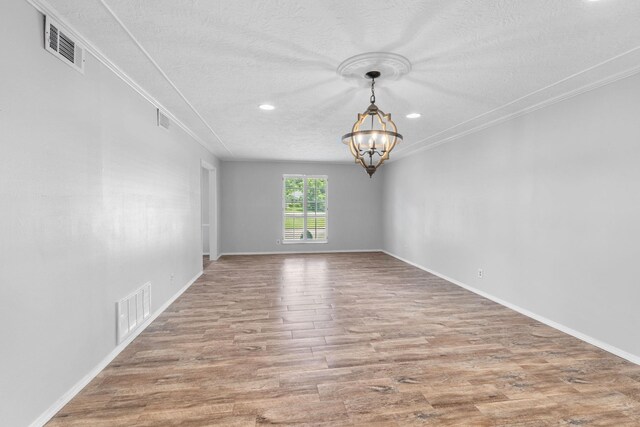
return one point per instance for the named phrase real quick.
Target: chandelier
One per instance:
(371, 147)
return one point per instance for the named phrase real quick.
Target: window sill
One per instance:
(303, 242)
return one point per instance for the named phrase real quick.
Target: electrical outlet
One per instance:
(171, 279)
(480, 273)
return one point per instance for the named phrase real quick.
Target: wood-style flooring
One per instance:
(351, 339)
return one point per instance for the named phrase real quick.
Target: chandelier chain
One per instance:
(373, 93)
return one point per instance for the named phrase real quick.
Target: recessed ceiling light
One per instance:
(413, 115)
(267, 107)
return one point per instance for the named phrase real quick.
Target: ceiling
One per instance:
(211, 63)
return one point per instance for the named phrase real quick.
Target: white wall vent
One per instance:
(66, 48)
(163, 120)
(132, 310)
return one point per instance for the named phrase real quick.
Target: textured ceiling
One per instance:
(211, 63)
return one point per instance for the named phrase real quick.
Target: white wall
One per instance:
(548, 204)
(95, 200)
(252, 207)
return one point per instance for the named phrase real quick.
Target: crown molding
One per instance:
(416, 147)
(311, 162)
(162, 72)
(45, 8)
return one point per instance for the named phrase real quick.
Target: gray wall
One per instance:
(95, 200)
(252, 207)
(548, 204)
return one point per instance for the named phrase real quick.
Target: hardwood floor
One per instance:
(351, 339)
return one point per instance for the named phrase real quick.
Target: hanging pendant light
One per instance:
(371, 147)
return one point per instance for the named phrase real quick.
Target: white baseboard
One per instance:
(71, 393)
(300, 252)
(581, 336)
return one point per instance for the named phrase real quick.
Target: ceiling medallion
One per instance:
(371, 147)
(391, 65)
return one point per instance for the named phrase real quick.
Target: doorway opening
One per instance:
(209, 226)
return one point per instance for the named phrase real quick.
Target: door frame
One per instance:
(213, 210)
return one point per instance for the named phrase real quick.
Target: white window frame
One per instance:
(304, 210)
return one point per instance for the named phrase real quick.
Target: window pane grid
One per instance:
(305, 208)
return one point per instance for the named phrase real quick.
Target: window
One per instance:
(304, 208)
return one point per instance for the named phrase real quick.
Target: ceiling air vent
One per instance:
(58, 41)
(163, 120)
